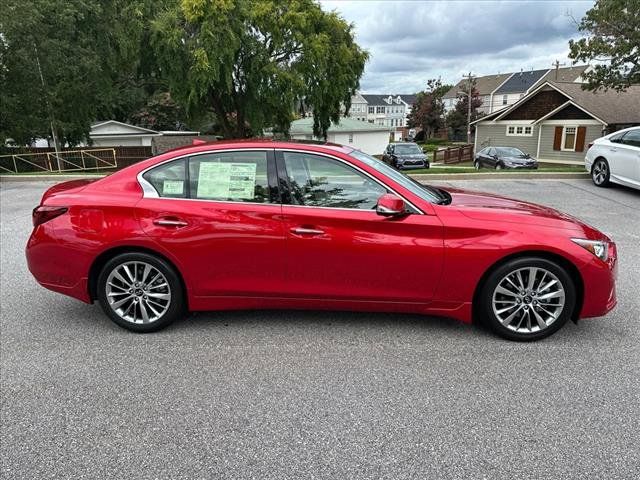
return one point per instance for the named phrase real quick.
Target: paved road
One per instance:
(319, 395)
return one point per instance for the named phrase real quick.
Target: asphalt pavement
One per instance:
(287, 394)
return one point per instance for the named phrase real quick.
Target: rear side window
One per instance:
(632, 138)
(169, 179)
(230, 176)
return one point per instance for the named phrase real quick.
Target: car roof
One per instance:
(248, 143)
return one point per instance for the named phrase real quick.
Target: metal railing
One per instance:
(68, 161)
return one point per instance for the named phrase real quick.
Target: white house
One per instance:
(111, 133)
(369, 138)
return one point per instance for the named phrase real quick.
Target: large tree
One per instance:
(252, 61)
(457, 118)
(428, 109)
(613, 37)
(67, 63)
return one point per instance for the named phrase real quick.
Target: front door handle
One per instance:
(306, 231)
(170, 222)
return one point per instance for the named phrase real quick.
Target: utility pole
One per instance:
(44, 90)
(469, 78)
(557, 65)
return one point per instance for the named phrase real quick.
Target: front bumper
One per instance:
(412, 165)
(599, 280)
(533, 166)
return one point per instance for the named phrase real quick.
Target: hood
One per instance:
(489, 207)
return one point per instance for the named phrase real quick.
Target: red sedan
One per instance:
(260, 224)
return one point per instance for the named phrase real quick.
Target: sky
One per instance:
(410, 42)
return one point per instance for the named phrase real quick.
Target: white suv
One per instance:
(615, 158)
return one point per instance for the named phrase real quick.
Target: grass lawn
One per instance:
(467, 167)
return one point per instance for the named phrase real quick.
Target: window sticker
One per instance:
(227, 180)
(172, 187)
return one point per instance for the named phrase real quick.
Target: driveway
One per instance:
(285, 394)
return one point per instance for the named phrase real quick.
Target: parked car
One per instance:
(259, 224)
(504, 157)
(405, 155)
(615, 158)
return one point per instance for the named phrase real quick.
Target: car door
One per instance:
(339, 248)
(624, 158)
(219, 215)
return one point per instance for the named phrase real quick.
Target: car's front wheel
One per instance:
(600, 173)
(527, 299)
(140, 292)
(476, 165)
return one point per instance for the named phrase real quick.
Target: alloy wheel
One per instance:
(138, 292)
(528, 300)
(600, 171)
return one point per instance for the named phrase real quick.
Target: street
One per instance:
(289, 394)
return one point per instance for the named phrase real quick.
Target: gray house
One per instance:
(557, 120)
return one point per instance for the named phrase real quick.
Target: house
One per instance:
(390, 110)
(485, 85)
(111, 133)
(500, 91)
(557, 120)
(370, 138)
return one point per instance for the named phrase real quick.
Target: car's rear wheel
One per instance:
(140, 292)
(476, 165)
(527, 299)
(600, 173)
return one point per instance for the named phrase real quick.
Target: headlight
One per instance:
(599, 248)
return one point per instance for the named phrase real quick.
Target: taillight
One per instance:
(44, 213)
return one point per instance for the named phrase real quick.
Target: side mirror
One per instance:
(390, 205)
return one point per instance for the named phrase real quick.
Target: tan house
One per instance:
(558, 120)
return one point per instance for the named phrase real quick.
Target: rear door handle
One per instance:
(170, 222)
(306, 231)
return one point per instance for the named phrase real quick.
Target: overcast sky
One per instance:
(412, 41)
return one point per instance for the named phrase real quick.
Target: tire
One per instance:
(499, 166)
(476, 165)
(133, 304)
(601, 173)
(427, 165)
(529, 321)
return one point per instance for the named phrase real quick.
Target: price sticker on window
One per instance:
(172, 187)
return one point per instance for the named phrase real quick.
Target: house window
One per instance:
(379, 109)
(519, 130)
(569, 139)
(372, 109)
(504, 99)
(351, 138)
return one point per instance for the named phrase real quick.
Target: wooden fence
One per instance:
(449, 155)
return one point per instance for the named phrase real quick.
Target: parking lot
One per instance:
(286, 394)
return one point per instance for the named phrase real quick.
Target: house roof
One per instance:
(305, 126)
(609, 106)
(101, 128)
(378, 99)
(521, 82)
(565, 74)
(409, 99)
(485, 85)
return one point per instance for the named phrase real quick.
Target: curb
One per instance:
(500, 176)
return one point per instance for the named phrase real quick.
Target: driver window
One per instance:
(317, 181)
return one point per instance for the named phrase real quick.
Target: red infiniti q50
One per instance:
(261, 224)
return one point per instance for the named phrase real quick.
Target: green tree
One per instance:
(456, 119)
(613, 29)
(160, 112)
(428, 109)
(251, 62)
(68, 63)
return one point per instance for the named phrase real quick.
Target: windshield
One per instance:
(429, 194)
(407, 149)
(509, 152)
